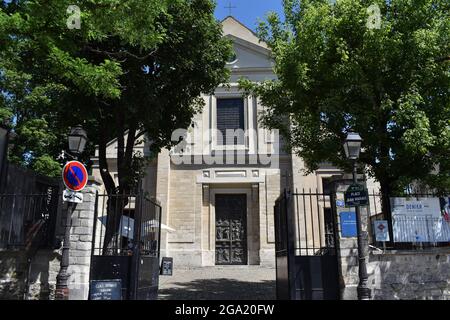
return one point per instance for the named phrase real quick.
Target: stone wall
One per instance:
(12, 274)
(410, 275)
(393, 275)
(42, 281)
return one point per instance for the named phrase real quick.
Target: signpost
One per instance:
(75, 178)
(356, 195)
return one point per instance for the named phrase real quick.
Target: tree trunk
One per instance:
(118, 196)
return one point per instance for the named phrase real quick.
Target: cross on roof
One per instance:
(229, 8)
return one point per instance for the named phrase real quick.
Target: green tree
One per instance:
(134, 69)
(339, 71)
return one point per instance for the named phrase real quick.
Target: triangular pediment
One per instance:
(251, 53)
(231, 26)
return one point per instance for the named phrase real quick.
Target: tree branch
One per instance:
(120, 54)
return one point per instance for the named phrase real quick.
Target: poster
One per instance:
(421, 219)
(381, 229)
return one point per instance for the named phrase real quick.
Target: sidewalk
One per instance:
(219, 283)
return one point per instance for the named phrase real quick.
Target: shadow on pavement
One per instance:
(219, 289)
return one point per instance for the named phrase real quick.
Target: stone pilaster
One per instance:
(81, 233)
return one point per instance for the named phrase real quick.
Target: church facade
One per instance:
(218, 197)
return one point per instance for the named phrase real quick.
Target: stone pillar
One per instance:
(163, 195)
(81, 233)
(348, 247)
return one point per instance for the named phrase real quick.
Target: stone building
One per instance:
(209, 188)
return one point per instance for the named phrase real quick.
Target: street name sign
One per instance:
(356, 195)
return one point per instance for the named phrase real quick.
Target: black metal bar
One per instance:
(319, 222)
(306, 226)
(335, 236)
(94, 232)
(324, 222)
(298, 222)
(159, 232)
(11, 221)
(101, 240)
(312, 221)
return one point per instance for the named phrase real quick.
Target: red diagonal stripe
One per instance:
(78, 180)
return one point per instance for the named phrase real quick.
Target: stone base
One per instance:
(349, 293)
(207, 258)
(267, 258)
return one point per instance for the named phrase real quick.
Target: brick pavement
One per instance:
(219, 283)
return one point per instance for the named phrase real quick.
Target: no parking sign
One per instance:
(75, 176)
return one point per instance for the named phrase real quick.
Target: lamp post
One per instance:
(352, 147)
(77, 139)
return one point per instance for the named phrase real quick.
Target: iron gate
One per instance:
(126, 246)
(306, 246)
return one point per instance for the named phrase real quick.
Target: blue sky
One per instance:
(248, 11)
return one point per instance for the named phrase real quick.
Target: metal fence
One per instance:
(421, 229)
(306, 246)
(117, 218)
(126, 243)
(314, 223)
(24, 217)
(408, 232)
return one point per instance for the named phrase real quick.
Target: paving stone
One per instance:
(219, 283)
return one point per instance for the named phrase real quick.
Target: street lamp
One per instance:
(77, 139)
(352, 147)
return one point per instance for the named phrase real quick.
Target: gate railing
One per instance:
(126, 242)
(314, 223)
(306, 246)
(23, 217)
(116, 219)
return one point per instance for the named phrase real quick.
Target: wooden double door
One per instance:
(231, 229)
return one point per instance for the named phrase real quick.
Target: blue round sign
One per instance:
(75, 175)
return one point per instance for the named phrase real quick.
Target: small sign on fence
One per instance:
(381, 230)
(167, 266)
(106, 290)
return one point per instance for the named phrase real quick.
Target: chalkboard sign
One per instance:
(166, 266)
(105, 290)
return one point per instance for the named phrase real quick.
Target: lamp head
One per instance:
(77, 140)
(352, 145)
